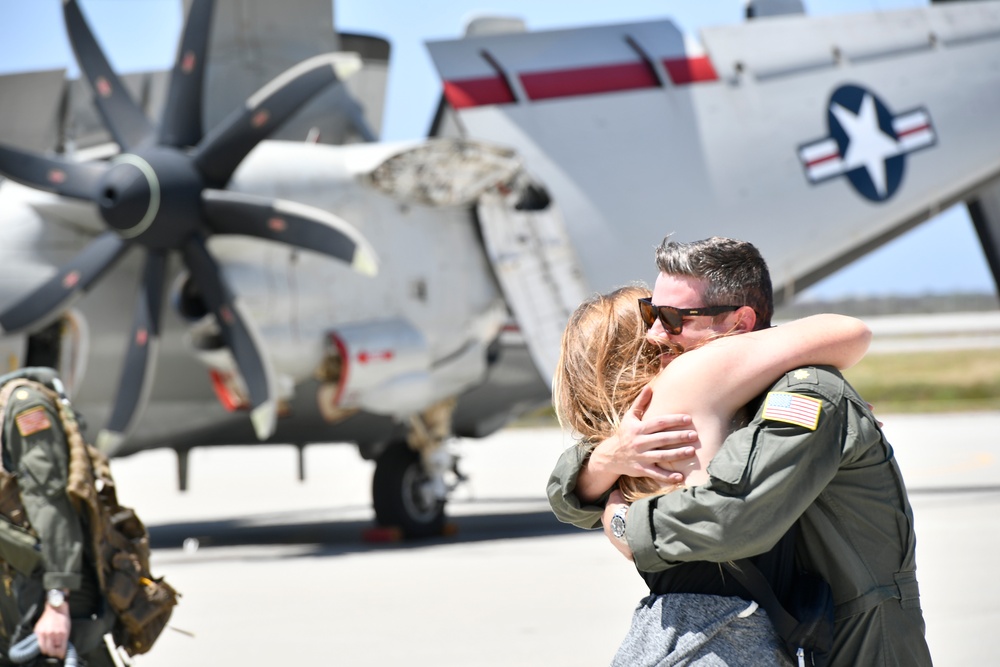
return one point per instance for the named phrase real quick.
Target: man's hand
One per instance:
(615, 501)
(52, 630)
(646, 447)
(641, 448)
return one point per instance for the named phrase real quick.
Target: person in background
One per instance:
(46, 555)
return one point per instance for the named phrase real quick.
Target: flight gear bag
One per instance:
(142, 604)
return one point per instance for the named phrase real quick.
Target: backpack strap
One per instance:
(751, 578)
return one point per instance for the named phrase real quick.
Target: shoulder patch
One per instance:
(32, 421)
(781, 406)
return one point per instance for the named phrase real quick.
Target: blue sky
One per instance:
(142, 34)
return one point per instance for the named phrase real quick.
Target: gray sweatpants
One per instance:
(689, 630)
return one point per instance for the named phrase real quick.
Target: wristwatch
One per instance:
(618, 522)
(55, 597)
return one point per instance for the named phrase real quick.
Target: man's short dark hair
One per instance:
(735, 271)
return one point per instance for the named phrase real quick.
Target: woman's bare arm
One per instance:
(728, 372)
(714, 381)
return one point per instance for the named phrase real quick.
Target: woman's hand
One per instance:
(615, 502)
(648, 447)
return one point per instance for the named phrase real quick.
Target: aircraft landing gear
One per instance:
(403, 496)
(413, 477)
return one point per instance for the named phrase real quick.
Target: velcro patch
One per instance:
(781, 406)
(32, 421)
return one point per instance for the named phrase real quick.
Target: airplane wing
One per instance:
(816, 138)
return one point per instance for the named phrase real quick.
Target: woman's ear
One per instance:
(746, 319)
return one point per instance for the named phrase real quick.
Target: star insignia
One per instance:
(867, 143)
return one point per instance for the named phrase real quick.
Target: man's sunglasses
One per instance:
(673, 318)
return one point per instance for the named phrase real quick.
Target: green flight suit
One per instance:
(839, 480)
(36, 451)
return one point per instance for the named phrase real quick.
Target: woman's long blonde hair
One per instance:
(604, 363)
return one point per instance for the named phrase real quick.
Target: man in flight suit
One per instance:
(812, 452)
(62, 583)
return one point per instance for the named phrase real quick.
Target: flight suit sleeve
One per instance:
(40, 459)
(562, 491)
(761, 481)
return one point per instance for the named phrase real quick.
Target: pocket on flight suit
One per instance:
(47, 479)
(730, 467)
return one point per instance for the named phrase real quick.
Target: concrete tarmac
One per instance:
(275, 571)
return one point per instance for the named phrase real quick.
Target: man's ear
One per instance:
(746, 319)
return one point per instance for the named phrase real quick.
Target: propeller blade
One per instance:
(222, 150)
(237, 334)
(181, 124)
(140, 360)
(72, 280)
(78, 180)
(289, 222)
(123, 117)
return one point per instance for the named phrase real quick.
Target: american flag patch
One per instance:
(795, 409)
(32, 421)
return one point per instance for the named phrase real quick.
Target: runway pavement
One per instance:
(274, 571)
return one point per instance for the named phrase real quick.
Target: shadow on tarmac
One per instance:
(333, 537)
(336, 538)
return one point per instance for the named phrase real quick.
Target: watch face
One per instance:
(55, 597)
(618, 526)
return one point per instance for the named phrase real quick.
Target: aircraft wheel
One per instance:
(402, 496)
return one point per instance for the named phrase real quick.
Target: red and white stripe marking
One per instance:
(533, 66)
(822, 159)
(913, 130)
(611, 78)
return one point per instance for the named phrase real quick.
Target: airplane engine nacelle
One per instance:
(381, 367)
(387, 367)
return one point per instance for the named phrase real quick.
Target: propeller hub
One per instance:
(129, 196)
(152, 198)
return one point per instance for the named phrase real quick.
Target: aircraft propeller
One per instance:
(165, 192)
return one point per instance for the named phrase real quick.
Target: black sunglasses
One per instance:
(673, 318)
